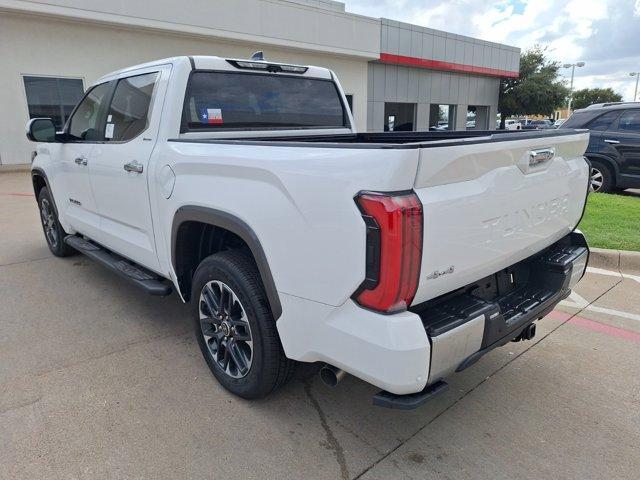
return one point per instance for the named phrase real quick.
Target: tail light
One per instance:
(393, 250)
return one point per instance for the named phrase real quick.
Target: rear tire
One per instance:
(53, 232)
(602, 178)
(230, 309)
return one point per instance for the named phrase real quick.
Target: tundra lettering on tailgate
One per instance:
(525, 218)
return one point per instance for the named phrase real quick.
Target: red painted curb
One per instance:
(596, 326)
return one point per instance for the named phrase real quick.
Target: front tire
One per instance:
(234, 326)
(53, 232)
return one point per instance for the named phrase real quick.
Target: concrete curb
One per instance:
(20, 167)
(621, 260)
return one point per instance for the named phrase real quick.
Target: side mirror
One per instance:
(41, 130)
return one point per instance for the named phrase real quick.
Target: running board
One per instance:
(140, 276)
(411, 400)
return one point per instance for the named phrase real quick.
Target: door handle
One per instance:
(133, 167)
(81, 160)
(611, 141)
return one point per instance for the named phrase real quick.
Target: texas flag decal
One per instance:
(212, 116)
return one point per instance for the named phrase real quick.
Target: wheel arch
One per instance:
(190, 214)
(611, 163)
(39, 180)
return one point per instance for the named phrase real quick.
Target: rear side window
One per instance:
(129, 110)
(229, 100)
(603, 122)
(629, 122)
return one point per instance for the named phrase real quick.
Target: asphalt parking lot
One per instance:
(98, 380)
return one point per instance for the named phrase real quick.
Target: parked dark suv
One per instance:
(614, 147)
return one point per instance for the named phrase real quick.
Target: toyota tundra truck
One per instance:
(398, 257)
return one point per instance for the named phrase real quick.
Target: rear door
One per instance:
(75, 155)
(489, 205)
(120, 165)
(624, 137)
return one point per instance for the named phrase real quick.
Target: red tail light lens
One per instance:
(394, 250)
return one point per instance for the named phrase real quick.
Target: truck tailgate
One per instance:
(488, 204)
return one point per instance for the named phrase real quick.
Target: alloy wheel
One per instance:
(596, 179)
(226, 330)
(49, 222)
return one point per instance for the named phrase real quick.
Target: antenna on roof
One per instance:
(258, 56)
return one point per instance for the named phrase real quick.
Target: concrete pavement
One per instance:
(98, 380)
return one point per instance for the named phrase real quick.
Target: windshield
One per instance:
(230, 100)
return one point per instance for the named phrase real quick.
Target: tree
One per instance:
(537, 91)
(588, 96)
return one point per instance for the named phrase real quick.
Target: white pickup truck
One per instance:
(397, 257)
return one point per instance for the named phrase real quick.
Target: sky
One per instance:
(605, 34)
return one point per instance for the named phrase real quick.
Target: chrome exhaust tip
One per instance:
(331, 375)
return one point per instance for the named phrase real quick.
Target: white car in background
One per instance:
(512, 125)
(558, 123)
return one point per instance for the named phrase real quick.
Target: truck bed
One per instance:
(488, 203)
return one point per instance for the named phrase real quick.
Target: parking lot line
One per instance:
(611, 273)
(576, 301)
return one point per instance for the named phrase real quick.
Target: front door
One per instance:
(120, 166)
(75, 197)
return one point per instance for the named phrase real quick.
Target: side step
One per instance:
(410, 401)
(140, 276)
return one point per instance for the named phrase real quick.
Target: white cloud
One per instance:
(603, 33)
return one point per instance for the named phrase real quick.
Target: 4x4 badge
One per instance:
(439, 273)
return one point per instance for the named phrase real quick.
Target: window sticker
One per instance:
(211, 116)
(108, 131)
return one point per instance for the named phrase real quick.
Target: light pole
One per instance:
(637, 75)
(572, 66)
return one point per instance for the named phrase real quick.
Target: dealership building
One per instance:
(397, 76)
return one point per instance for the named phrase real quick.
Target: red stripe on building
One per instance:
(446, 66)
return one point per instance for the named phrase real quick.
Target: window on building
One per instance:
(54, 98)
(399, 117)
(442, 117)
(129, 109)
(477, 117)
(85, 122)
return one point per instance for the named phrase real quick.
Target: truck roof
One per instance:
(211, 62)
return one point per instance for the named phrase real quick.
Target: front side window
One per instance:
(54, 98)
(629, 122)
(229, 100)
(83, 125)
(129, 110)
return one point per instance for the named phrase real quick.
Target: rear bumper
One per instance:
(411, 352)
(465, 325)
